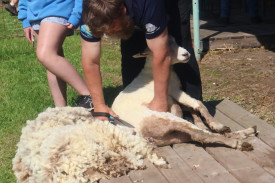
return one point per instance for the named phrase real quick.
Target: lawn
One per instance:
(24, 91)
(9, 25)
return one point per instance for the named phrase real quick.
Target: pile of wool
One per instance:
(67, 144)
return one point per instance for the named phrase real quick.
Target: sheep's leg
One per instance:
(242, 134)
(198, 106)
(197, 121)
(176, 110)
(166, 131)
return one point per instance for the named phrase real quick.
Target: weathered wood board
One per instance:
(194, 163)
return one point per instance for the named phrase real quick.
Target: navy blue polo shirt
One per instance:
(149, 15)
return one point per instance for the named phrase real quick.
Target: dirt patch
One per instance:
(246, 77)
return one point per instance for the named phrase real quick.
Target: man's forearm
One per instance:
(161, 74)
(161, 71)
(94, 83)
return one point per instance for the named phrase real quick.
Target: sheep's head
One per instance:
(178, 54)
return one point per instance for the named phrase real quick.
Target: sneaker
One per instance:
(85, 101)
(11, 9)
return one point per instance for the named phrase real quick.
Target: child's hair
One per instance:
(98, 15)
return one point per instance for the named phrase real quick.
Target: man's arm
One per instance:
(161, 71)
(91, 66)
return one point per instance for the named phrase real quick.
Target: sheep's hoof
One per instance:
(245, 146)
(255, 130)
(224, 129)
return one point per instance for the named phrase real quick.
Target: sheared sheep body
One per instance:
(166, 128)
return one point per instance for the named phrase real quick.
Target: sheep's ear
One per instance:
(142, 54)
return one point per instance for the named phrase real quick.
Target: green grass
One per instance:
(24, 91)
(9, 25)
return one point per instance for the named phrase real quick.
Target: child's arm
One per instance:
(28, 34)
(76, 14)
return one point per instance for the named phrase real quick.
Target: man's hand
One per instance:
(91, 67)
(158, 105)
(104, 108)
(28, 34)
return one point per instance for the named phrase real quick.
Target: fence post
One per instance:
(196, 29)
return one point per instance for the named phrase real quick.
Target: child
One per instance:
(50, 22)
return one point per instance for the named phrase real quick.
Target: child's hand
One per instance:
(70, 26)
(28, 34)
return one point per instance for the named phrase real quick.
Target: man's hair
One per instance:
(99, 15)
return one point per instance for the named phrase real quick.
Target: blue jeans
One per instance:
(252, 6)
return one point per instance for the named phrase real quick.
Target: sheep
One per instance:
(68, 145)
(165, 128)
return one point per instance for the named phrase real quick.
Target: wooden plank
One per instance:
(209, 170)
(246, 119)
(123, 179)
(179, 172)
(262, 154)
(150, 175)
(239, 165)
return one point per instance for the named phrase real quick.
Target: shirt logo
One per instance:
(150, 28)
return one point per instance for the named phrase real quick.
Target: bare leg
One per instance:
(57, 86)
(49, 44)
(58, 89)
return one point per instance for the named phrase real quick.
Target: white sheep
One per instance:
(165, 128)
(68, 145)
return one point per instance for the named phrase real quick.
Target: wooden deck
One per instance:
(192, 163)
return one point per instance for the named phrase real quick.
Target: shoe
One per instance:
(85, 101)
(223, 21)
(11, 9)
(256, 20)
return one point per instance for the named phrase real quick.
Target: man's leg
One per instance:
(225, 8)
(130, 67)
(253, 11)
(179, 27)
(252, 6)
